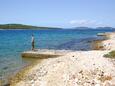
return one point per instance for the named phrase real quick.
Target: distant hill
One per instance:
(85, 28)
(22, 26)
(105, 28)
(82, 28)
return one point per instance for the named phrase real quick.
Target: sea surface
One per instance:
(14, 42)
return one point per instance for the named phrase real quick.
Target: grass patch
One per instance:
(110, 54)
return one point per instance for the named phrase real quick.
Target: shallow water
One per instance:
(13, 42)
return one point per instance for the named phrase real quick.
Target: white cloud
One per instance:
(89, 23)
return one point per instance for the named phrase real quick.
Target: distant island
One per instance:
(22, 26)
(86, 28)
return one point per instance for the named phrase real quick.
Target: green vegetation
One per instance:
(21, 26)
(110, 54)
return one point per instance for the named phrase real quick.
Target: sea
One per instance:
(14, 42)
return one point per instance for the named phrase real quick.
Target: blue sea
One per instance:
(14, 42)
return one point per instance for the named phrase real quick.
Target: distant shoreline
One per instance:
(22, 26)
(28, 29)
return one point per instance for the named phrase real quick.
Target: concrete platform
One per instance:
(102, 34)
(44, 53)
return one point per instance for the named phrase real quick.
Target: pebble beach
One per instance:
(75, 68)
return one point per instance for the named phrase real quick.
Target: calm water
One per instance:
(13, 42)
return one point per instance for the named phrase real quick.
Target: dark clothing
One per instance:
(33, 45)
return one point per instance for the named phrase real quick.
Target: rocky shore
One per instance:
(78, 68)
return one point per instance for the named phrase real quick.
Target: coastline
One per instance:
(98, 44)
(23, 73)
(62, 70)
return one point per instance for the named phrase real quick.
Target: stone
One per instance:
(107, 83)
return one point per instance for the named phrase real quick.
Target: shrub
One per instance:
(110, 54)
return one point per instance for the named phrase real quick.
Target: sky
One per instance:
(58, 13)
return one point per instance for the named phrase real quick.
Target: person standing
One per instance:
(33, 42)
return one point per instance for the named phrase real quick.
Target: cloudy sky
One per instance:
(58, 13)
